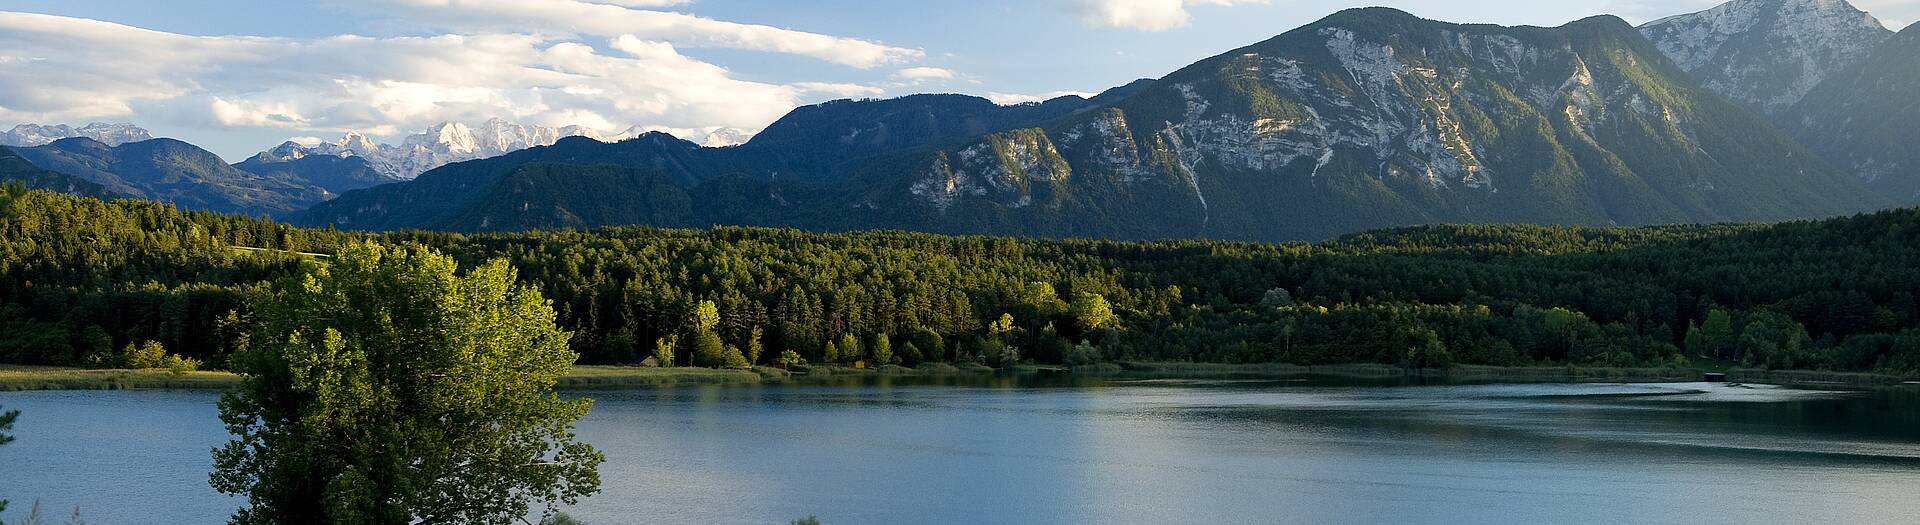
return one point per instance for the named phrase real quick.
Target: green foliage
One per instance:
(999, 355)
(791, 358)
(708, 351)
(1040, 300)
(384, 387)
(1001, 326)
(849, 348)
(179, 365)
(705, 317)
(1277, 297)
(754, 348)
(931, 345)
(883, 350)
(910, 354)
(1082, 354)
(1495, 295)
(1714, 337)
(663, 349)
(148, 355)
(1091, 313)
(1424, 349)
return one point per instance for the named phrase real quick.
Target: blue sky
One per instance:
(238, 76)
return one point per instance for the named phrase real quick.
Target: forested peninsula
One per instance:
(89, 282)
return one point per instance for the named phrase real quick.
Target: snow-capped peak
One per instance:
(1768, 53)
(286, 151)
(445, 143)
(718, 137)
(724, 137)
(29, 135)
(355, 143)
(448, 137)
(449, 142)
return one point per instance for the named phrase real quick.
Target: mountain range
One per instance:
(450, 142)
(30, 135)
(1756, 110)
(1368, 118)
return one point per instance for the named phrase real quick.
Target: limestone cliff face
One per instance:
(1374, 118)
(1768, 54)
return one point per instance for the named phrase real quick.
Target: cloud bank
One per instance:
(564, 65)
(1144, 15)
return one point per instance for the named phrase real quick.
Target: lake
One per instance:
(1010, 450)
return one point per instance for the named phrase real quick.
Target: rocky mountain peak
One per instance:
(444, 143)
(286, 151)
(1767, 54)
(724, 137)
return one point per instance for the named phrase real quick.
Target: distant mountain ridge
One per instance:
(17, 170)
(450, 142)
(172, 171)
(1365, 119)
(30, 135)
(333, 173)
(809, 146)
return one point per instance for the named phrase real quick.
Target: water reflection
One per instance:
(1026, 449)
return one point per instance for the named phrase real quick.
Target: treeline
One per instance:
(81, 277)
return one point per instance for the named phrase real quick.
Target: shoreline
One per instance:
(613, 377)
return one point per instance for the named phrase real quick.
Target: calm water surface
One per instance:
(1109, 451)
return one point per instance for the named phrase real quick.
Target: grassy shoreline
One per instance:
(597, 377)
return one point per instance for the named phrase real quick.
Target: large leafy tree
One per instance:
(383, 388)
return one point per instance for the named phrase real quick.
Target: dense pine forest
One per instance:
(83, 280)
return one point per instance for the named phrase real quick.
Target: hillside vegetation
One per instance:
(80, 278)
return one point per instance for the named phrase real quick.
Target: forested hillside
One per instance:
(80, 277)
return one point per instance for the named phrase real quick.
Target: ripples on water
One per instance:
(1102, 451)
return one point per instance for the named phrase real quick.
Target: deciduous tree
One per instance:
(383, 387)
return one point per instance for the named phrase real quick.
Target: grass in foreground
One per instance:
(23, 377)
(594, 377)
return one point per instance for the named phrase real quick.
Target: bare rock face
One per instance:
(1767, 54)
(1375, 118)
(1863, 118)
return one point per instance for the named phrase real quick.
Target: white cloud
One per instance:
(922, 74)
(60, 69)
(1145, 15)
(1896, 14)
(840, 89)
(612, 18)
(1009, 99)
(643, 3)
